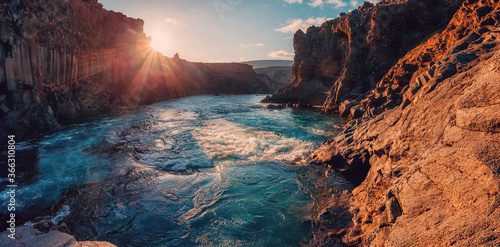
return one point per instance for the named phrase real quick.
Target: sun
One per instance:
(159, 42)
(156, 44)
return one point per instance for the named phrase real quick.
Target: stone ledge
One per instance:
(30, 237)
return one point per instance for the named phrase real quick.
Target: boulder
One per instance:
(26, 236)
(274, 106)
(345, 108)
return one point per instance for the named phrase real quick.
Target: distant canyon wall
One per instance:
(60, 60)
(276, 77)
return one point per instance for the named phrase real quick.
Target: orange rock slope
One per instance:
(427, 170)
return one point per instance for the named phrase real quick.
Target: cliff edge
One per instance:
(346, 57)
(426, 169)
(61, 60)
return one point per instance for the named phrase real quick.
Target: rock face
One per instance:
(27, 237)
(276, 77)
(234, 78)
(348, 56)
(63, 59)
(427, 170)
(436, 59)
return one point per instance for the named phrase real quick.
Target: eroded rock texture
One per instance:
(26, 237)
(276, 77)
(63, 59)
(428, 169)
(348, 56)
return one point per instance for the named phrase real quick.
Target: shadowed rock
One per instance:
(348, 56)
(433, 162)
(78, 59)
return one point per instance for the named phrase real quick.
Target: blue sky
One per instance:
(228, 30)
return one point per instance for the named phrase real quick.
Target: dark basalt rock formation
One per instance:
(233, 78)
(348, 56)
(60, 60)
(427, 169)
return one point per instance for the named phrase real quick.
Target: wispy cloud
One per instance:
(252, 45)
(292, 1)
(337, 3)
(316, 3)
(295, 24)
(172, 20)
(354, 3)
(320, 3)
(280, 54)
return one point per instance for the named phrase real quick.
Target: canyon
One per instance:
(61, 61)
(422, 91)
(419, 80)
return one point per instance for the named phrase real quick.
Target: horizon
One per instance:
(235, 30)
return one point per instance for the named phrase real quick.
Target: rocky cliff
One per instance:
(60, 60)
(276, 76)
(423, 151)
(348, 56)
(233, 78)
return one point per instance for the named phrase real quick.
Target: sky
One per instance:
(228, 30)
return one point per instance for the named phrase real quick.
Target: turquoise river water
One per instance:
(198, 171)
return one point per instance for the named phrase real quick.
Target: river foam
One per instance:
(198, 171)
(222, 140)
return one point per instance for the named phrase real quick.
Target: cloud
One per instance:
(280, 54)
(316, 3)
(256, 45)
(337, 3)
(292, 1)
(321, 3)
(171, 20)
(295, 24)
(354, 3)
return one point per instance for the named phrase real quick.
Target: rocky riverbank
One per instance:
(61, 61)
(423, 145)
(27, 236)
(419, 79)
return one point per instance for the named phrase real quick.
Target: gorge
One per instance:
(422, 90)
(416, 164)
(61, 60)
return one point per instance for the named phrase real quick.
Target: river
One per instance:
(197, 171)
